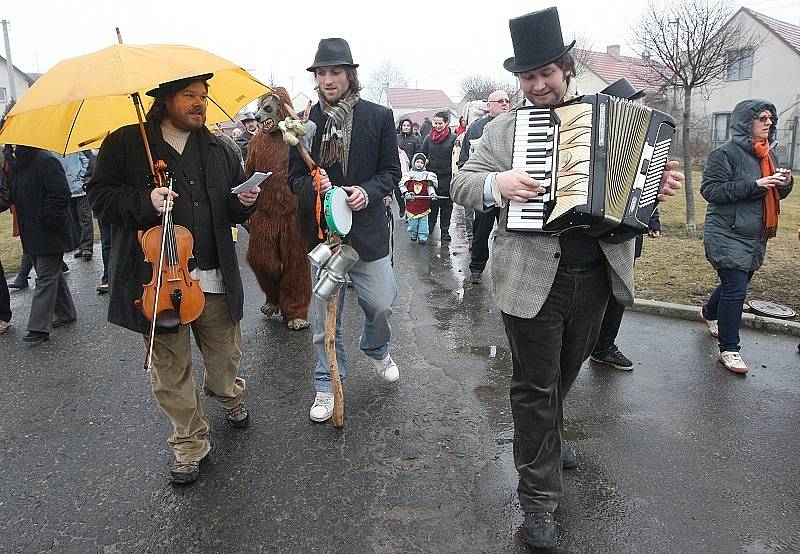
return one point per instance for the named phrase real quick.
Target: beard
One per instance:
(186, 121)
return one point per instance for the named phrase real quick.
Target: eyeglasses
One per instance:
(765, 118)
(501, 101)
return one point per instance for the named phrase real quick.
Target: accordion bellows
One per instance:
(600, 159)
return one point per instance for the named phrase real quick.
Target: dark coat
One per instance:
(733, 232)
(119, 193)
(440, 161)
(42, 197)
(410, 144)
(373, 164)
(5, 193)
(475, 131)
(425, 128)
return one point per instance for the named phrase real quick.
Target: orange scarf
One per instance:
(772, 205)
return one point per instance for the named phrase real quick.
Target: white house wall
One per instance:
(19, 80)
(588, 81)
(776, 77)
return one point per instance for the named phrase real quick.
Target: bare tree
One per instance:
(386, 75)
(479, 87)
(694, 43)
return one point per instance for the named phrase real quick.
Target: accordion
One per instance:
(600, 159)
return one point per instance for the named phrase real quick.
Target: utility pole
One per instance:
(12, 85)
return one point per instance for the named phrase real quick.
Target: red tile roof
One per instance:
(786, 32)
(417, 117)
(611, 69)
(418, 98)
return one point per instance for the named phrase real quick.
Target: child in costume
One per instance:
(418, 182)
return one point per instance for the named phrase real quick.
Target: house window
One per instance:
(3, 95)
(722, 131)
(740, 65)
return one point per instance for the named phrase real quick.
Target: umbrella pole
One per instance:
(137, 102)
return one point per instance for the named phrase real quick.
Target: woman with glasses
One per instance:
(743, 187)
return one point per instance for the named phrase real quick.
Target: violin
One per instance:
(172, 297)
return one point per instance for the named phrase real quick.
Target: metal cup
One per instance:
(320, 255)
(327, 286)
(342, 261)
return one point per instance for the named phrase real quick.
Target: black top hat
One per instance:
(537, 40)
(165, 89)
(332, 51)
(623, 89)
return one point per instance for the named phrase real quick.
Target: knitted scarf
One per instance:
(772, 205)
(438, 137)
(333, 137)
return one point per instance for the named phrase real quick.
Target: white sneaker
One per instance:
(733, 361)
(322, 409)
(386, 368)
(713, 327)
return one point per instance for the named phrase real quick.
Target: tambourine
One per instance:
(338, 215)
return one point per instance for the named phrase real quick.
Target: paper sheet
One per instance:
(252, 182)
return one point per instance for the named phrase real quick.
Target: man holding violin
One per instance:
(203, 170)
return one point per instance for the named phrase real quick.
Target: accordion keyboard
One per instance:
(535, 142)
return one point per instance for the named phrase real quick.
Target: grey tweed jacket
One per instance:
(524, 265)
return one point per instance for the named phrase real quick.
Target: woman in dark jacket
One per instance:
(406, 140)
(438, 147)
(42, 197)
(743, 189)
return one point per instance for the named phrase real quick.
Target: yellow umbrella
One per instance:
(76, 104)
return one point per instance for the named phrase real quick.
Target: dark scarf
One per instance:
(438, 137)
(333, 138)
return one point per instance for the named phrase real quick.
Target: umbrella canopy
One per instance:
(76, 104)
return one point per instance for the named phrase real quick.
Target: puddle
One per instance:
(488, 351)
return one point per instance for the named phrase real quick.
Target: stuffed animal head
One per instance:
(272, 108)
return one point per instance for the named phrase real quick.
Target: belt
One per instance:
(580, 268)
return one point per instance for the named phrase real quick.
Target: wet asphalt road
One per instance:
(676, 456)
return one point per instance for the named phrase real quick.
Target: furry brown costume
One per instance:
(277, 249)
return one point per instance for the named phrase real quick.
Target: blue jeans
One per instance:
(418, 227)
(376, 290)
(725, 306)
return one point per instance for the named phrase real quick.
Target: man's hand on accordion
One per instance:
(671, 181)
(518, 186)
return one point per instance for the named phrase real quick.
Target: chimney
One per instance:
(646, 56)
(613, 50)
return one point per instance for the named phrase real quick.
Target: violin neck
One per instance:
(168, 229)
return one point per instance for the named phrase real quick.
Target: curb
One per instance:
(682, 311)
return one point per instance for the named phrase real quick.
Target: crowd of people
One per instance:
(561, 297)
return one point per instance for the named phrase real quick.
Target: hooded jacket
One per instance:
(732, 234)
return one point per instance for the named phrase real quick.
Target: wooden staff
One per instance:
(330, 350)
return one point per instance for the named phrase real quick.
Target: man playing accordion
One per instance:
(551, 290)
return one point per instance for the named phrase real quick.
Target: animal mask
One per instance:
(267, 114)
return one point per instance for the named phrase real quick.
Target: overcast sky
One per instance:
(435, 42)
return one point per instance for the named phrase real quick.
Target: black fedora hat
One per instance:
(537, 40)
(332, 51)
(623, 89)
(165, 89)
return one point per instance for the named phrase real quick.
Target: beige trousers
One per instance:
(220, 343)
